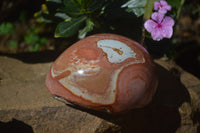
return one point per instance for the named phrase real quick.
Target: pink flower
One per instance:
(162, 6)
(159, 26)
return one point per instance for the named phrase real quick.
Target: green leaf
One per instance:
(89, 27)
(35, 48)
(174, 3)
(82, 33)
(13, 44)
(6, 28)
(148, 9)
(135, 6)
(69, 28)
(40, 18)
(56, 1)
(85, 3)
(43, 40)
(22, 16)
(77, 3)
(31, 38)
(62, 15)
(71, 9)
(96, 5)
(70, 5)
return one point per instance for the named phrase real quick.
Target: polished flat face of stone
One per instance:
(104, 71)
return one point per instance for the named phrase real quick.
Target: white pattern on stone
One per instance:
(116, 51)
(52, 72)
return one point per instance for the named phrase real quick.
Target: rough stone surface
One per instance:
(27, 106)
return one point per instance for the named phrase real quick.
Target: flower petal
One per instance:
(156, 5)
(163, 7)
(163, 2)
(157, 35)
(150, 25)
(168, 7)
(162, 10)
(158, 17)
(167, 32)
(168, 21)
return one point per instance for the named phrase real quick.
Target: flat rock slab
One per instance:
(25, 101)
(22, 85)
(27, 106)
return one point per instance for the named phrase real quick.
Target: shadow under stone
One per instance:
(15, 126)
(160, 116)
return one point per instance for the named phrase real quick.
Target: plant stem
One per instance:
(148, 9)
(147, 14)
(143, 36)
(179, 9)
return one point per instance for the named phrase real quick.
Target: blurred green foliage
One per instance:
(6, 28)
(31, 38)
(13, 44)
(22, 16)
(34, 40)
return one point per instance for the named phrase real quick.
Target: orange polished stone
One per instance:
(104, 71)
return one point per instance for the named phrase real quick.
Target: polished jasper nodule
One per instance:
(104, 71)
